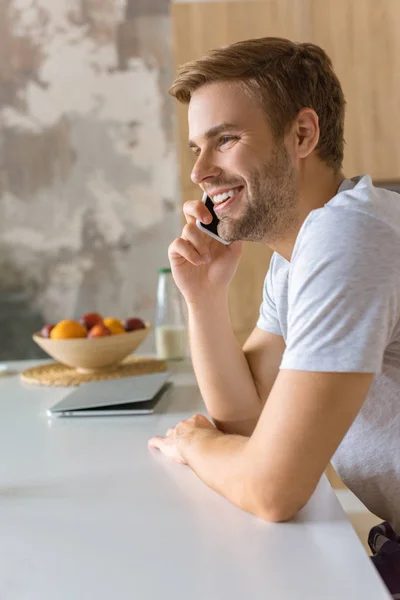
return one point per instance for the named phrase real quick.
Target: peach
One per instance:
(89, 320)
(99, 330)
(46, 330)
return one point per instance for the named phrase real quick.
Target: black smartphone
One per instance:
(211, 229)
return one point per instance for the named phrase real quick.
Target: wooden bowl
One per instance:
(92, 354)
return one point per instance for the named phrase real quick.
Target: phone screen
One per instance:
(213, 226)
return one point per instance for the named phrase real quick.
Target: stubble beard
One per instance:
(271, 207)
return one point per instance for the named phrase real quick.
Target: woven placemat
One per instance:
(57, 374)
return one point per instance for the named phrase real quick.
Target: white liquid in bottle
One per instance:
(171, 342)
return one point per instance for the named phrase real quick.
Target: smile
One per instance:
(219, 198)
(230, 197)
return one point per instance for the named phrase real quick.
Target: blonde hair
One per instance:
(287, 76)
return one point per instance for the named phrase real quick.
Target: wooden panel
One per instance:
(334, 478)
(363, 39)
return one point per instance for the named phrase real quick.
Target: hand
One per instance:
(174, 438)
(201, 266)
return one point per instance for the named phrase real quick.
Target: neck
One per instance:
(316, 189)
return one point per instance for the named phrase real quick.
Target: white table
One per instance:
(89, 512)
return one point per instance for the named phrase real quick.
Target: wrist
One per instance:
(211, 302)
(195, 441)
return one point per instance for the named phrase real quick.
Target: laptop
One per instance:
(137, 395)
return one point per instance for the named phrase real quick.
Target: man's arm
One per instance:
(273, 473)
(234, 382)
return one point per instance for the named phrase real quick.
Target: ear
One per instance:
(306, 130)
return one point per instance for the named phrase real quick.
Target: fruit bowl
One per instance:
(92, 354)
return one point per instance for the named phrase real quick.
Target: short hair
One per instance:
(286, 76)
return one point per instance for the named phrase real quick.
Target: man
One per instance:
(319, 377)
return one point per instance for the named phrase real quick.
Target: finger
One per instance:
(183, 248)
(156, 442)
(198, 420)
(202, 421)
(196, 209)
(165, 449)
(202, 418)
(195, 417)
(199, 240)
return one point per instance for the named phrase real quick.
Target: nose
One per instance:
(204, 168)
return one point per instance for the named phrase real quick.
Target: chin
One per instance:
(226, 235)
(228, 230)
(231, 233)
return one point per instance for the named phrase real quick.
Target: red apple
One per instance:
(89, 320)
(46, 330)
(99, 330)
(133, 324)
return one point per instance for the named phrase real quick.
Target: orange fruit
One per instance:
(68, 329)
(114, 325)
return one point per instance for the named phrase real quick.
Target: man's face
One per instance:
(238, 154)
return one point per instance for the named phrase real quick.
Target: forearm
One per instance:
(219, 461)
(221, 368)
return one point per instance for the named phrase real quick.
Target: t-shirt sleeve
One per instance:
(343, 298)
(268, 317)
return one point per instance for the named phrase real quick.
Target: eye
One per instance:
(225, 139)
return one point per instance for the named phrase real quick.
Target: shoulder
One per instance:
(341, 253)
(342, 231)
(359, 208)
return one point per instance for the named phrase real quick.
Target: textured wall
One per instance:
(87, 163)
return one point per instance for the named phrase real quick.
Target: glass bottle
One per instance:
(170, 325)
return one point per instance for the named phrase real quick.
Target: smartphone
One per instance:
(211, 229)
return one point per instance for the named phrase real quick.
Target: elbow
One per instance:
(276, 513)
(278, 506)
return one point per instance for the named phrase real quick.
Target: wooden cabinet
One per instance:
(363, 39)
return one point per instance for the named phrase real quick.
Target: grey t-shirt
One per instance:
(337, 306)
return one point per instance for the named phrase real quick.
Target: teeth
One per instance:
(222, 197)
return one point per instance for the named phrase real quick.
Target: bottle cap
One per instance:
(164, 270)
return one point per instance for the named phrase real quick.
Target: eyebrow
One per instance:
(214, 131)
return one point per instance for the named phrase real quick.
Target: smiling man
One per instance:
(319, 377)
